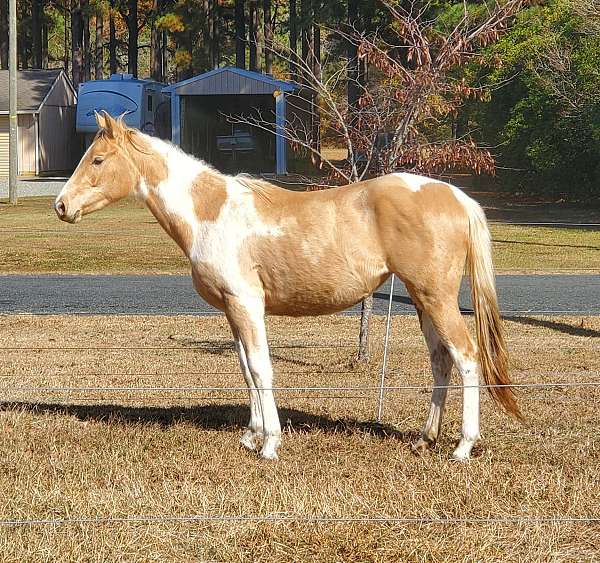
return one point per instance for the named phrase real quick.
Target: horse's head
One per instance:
(105, 174)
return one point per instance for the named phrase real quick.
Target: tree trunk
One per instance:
(87, 46)
(293, 40)
(45, 44)
(112, 40)
(37, 14)
(4, 34)
(352, 71)
(23, 52)
(132, 37)
(165, 65)
(240, 34)
(216, 22)
(66, 15)
(254, 36)
(316, 112)
(363, 336)
(76, 42)
(99, 56)
(306, 34)
(268, 33)
(210, 31)
(156, 46)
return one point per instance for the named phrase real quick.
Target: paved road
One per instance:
(34, 186)
(168, 295)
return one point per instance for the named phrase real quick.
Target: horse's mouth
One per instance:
(72, 219)
(76, 217)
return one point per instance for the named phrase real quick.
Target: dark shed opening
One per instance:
(202, 108)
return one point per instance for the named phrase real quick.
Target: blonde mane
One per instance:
(261, 188)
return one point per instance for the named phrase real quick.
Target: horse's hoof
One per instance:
(269, 455)
(460, 455)
(463, 451)
(421, 447)
(251, 440)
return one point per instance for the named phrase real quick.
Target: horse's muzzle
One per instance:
(62, 213)
(60, 209)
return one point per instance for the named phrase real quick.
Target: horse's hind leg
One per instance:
(453, 332)
(441, 366)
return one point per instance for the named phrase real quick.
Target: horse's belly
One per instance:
(320, 292)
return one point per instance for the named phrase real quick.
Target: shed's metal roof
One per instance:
(230, 80)
(32, 88)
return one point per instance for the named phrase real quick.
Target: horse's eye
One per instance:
(98, 160)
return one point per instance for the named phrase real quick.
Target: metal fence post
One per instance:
(385, 354)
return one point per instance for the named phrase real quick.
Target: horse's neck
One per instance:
(183, 187)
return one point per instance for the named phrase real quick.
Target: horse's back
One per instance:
(336, 246)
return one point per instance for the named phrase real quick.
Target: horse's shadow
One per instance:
(226, 348)
(210, 417)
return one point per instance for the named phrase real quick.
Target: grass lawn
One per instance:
(120, 453)
(125, 238)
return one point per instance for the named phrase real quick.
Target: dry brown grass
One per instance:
(125, 454)
(125, 238)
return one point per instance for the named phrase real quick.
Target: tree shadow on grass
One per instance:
(210, 417)
(556, 325)
(532, 321)
(558, 245)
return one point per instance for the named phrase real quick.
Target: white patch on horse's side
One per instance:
(414, 182)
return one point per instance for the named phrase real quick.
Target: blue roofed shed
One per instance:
(201, 108)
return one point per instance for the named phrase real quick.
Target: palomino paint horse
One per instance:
(257, 249)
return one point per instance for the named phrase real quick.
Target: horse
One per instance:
(256, 249)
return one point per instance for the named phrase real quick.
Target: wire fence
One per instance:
(226, 393)
(358, 388)
(302, 519)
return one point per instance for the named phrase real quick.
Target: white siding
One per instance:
(3, 146)
(25, 145)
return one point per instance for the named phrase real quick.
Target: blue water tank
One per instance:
(142, 103)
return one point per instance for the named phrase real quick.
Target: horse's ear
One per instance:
(117, 126)
(100, 120)
(106, 123)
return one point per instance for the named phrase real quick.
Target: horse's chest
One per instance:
(217, 266)
(209, 283)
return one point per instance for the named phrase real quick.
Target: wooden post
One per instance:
(13, 159)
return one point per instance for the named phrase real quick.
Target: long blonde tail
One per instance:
(493, 356)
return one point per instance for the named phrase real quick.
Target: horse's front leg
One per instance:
(247, 318)
(252, 438)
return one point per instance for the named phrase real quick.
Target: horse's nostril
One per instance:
(59, 206)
